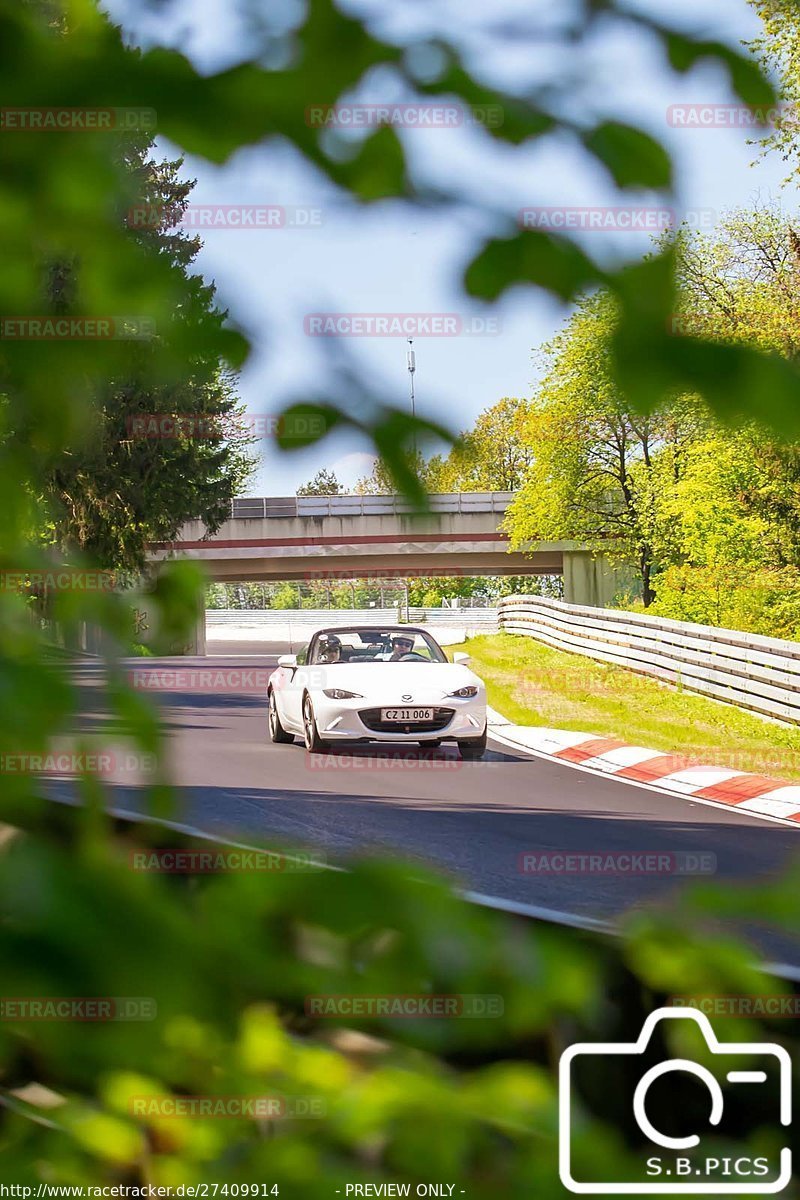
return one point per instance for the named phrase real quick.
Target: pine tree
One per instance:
(131, 481)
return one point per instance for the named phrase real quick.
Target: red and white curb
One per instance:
(756, 795)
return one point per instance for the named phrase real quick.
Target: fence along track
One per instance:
(754, 672)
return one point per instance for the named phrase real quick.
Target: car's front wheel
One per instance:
(314, 743)
(276, 731)
(473, 748)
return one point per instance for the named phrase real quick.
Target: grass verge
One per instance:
(532, 684)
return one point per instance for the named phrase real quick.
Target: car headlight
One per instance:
(341, 694)
(465, 693)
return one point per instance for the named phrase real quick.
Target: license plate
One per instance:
(407, 716)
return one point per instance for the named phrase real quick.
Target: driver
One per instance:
(330, 649)
(402, 644)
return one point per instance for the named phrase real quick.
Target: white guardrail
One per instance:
(219, 618)
(260, 508)
(745, 669)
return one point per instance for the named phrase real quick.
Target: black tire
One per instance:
(276, 731)
(473, 748)
(314, 743)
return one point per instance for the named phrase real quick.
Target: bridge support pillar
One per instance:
(145, 624)
(200, 629)
(592, 581)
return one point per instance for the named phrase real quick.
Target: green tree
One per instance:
(492, 456)
(156, 456)
(777, 49)
(734, 595)
(216, 596)
(382, 479)
(735, 512)
(741, 284)
(240, 595)
(710, 503)
(734, 560)
(324, 483)
(599, 467)
(551, 586)
(286, 596)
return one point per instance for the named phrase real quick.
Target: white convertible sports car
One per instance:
(376, 683)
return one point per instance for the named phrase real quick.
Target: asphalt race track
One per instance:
(472, 821)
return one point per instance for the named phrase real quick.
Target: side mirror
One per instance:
(287, 660)
(458, 657)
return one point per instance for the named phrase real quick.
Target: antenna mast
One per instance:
(412, 366)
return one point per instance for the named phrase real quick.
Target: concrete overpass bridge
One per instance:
(328, 537)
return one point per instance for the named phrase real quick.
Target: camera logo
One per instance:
(667, 1168)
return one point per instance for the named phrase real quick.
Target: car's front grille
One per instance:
(371, 718)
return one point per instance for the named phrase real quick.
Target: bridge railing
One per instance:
(316, 618)
(745, 669)
(265, 507)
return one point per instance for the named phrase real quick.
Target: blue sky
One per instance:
(390, 259)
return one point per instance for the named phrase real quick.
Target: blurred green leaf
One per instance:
(633, 158)
(531, 257)
(747, 79)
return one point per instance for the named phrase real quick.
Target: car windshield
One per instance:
(375, 645)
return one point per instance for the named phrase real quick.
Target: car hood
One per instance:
(389, 682)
